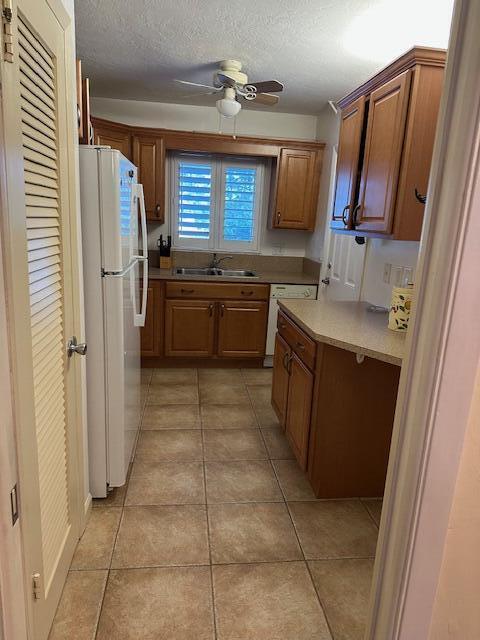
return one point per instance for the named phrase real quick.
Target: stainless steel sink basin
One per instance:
(196, 272)
(230, 273)
(237, 273)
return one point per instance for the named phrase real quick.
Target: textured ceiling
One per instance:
(320, 49)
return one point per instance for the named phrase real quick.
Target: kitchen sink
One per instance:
(230, 273)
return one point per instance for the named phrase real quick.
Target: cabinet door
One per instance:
(189, 328)
(387, 116)
(348, 161)
(299, 407)
(297, 189)
(149, 157)
(151, 335)
(242, 329)
(280, 378)
(115, 138)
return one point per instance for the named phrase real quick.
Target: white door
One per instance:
(43, 306)
(344, 268)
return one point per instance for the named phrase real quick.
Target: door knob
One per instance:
(74, 347)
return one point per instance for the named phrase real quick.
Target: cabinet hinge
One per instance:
(14, 504)
(36, 586)
(7, 15)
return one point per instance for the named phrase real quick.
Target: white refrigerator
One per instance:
(115, 267)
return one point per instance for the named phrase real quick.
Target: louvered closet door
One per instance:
(40, 208)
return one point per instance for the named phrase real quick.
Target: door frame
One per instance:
(443, 352)
(16, 602)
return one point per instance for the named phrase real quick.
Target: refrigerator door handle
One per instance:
(139, 318)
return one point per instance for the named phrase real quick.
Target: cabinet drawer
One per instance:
(300, 343)
(217, 290)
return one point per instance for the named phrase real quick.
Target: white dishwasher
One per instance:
(277, 292)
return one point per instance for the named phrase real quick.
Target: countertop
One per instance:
(348, 325)
(264, 277)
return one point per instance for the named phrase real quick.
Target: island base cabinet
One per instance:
(189, 328)
(280, 378)
(299, 404)
(351, 426)
(242, 329)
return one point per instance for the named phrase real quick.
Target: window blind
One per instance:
(194, 200)
(239, 204)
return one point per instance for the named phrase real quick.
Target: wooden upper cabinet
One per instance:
(189, 328)
(299, 407)
(117, 138)
(385, 147)
(242, 329)
(387, 116)
(298, 174)
(149, 157)
(280, 378)
(352, 121)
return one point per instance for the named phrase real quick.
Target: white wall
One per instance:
(194, 118)
(200, 118)
(378, 253)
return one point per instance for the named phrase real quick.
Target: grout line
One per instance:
(370, 514)
(322, 606)
(212, 591)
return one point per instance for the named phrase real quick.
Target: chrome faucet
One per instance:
(217, 261)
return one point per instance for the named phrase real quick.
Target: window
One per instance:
(217, 202)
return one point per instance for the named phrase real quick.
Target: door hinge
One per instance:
(7, 15)
(36, 586)
(14, 504)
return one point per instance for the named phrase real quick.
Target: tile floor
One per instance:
(218, 534)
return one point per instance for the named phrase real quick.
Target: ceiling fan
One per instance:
(233, 83)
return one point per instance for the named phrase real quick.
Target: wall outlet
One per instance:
(396, 276)
(408, 275)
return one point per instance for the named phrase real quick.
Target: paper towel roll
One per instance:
(400, 306)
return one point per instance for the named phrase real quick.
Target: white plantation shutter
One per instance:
(43, 222)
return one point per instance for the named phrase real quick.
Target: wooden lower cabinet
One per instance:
(151, 335)
(299, 405)
(242, 329)
(337, 412)
(189, 328)
(280, 378)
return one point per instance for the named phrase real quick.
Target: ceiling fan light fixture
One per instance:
(228, 106)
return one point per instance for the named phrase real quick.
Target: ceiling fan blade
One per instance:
(226, 80)
(196, 84)
(269, 86)
(266, 98)
(195, 95)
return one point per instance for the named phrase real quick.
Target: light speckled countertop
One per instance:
(348, 325)
(263, 277)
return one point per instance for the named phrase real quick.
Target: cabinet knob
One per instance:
(187, 290)
(222, 309)
(300, 346)
(210, 310)
(246, 293)
(279, 216)
(158, 208)
(355, 222)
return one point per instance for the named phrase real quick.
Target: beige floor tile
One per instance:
(334, 529)
(180, 445)
(146, 376)
(234, 444)
(344, 589)
(267, 602)
(166, 483)
(374, 507)
(174, 376)
(252, 533)
(241, 481)
(266, 417)
(172, 416)
(219, 393)
(258, 376)
(173, 394)
(115, 498)
(261, 401)
(169, 536)
(293, 480)
(231, 416)
(79, 608)
(173, 603)
(277, 444)
(222, 376)
(95, 547)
